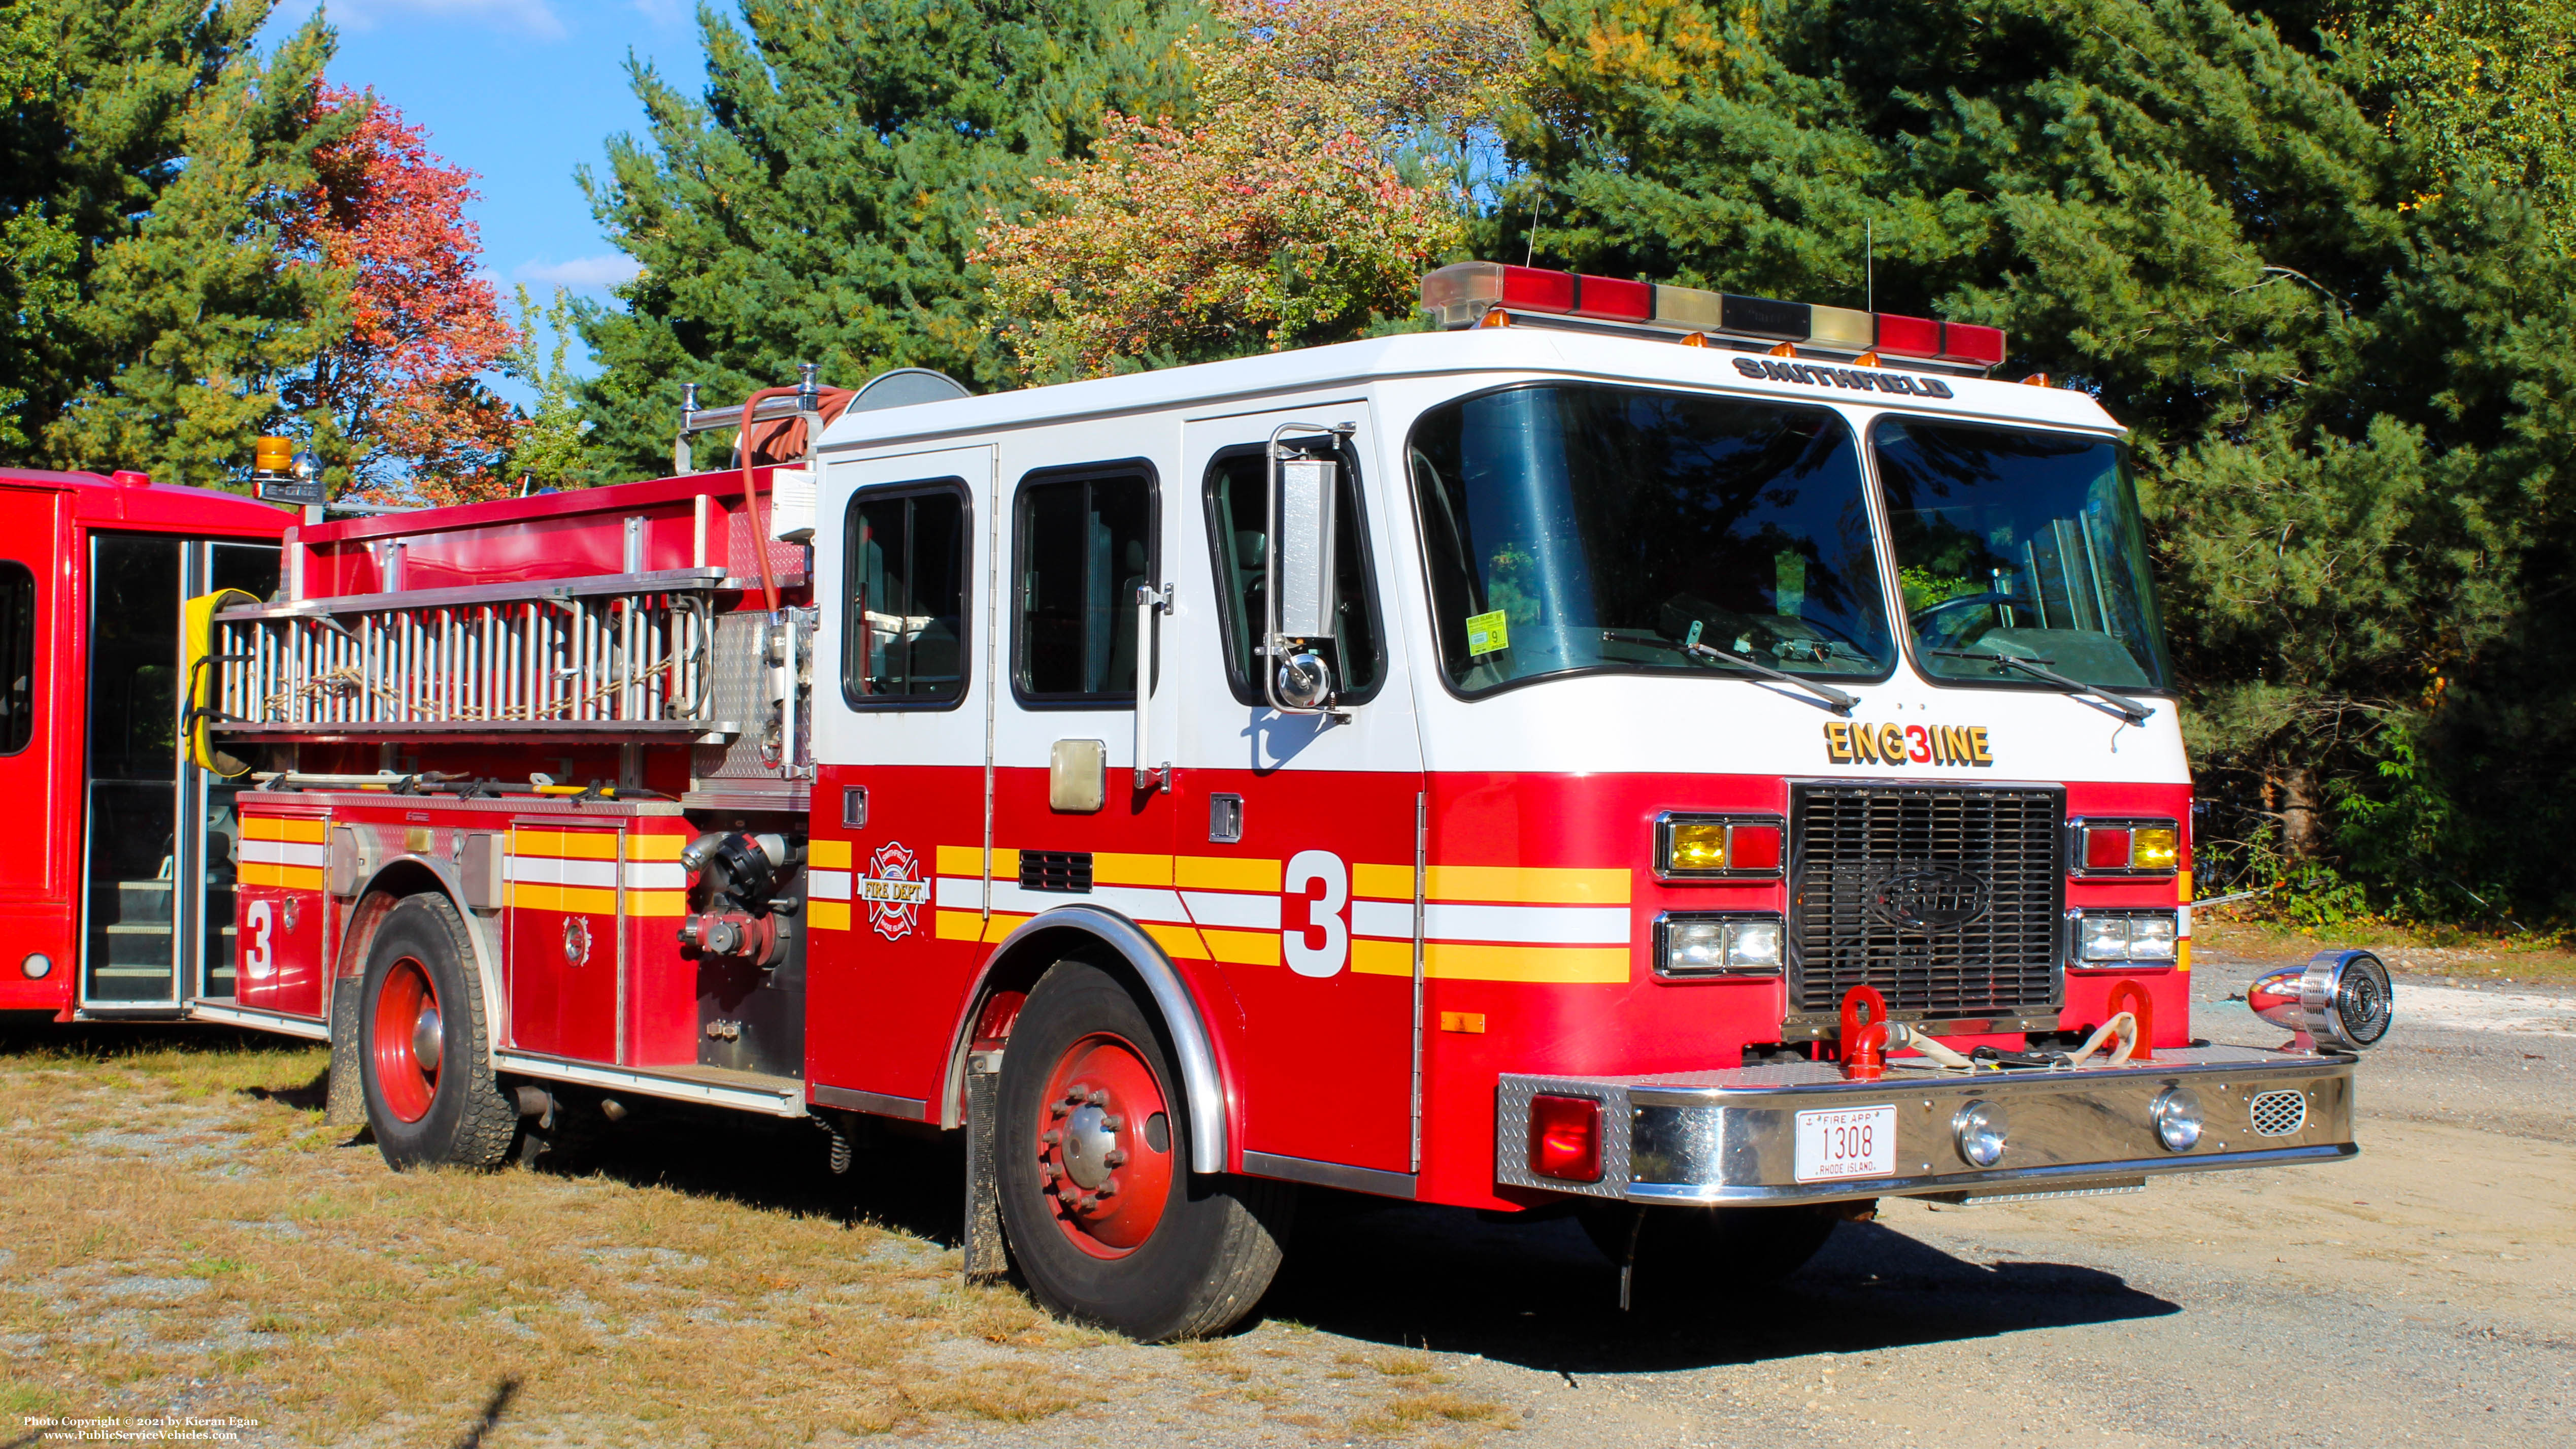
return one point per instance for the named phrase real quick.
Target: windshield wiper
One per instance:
(1841, 702)
(2129, 709)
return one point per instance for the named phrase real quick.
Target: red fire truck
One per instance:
(1696, 761)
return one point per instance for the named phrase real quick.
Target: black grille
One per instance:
(1055, 870)
(1946, 900)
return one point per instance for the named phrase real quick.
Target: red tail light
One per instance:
(1962, 342)
(1909, 336)
(1565, 1138)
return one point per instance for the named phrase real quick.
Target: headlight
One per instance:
(2126, 847)
(2341, 998)
(2178, 1118)
(1978, 1128)
(1714, 944)
(1717, 847)
(2110, 939)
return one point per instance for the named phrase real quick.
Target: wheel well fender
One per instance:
(1040, 942)
(389, 884)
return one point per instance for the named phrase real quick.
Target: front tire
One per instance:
(424, 1044)
(1106, 1222)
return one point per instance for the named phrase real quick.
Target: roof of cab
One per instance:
(1485, 350)
(98, 500)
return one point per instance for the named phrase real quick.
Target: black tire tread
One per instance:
(490, 1121)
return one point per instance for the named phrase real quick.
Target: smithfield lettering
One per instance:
(1861, 379)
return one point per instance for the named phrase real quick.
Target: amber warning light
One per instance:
(1465, 293)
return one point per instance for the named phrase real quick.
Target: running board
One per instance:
(310, 1028)
(712, 1086)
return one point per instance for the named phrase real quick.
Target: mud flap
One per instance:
(988, 1258)
(347, 1103)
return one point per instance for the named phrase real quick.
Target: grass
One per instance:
(2445, 952)
(181, 1234)
(184, 1236)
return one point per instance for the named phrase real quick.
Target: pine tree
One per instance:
(2343, 359)
(818, 204)
(147, 158)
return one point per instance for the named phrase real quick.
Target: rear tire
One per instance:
(424, 1044)
(1692, 1255)
(1089, 1099)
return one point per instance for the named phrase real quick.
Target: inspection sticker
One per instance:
(1488, 633)
(1846, 1142)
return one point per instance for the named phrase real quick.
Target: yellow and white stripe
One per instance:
(1480, 923)
(580, 871)
(281, 851)
(827, 885)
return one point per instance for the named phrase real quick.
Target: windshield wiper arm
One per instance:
(1841, 702)
(2129, 709)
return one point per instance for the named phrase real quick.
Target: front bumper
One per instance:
(1730, 1136)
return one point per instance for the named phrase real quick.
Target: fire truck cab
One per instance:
(118, 897)
(1702, 763)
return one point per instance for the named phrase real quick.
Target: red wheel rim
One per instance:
(409, 1045)
(1104, 1145)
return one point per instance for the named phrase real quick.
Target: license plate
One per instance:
(1846, 1143)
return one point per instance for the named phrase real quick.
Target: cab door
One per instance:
(1299, 833)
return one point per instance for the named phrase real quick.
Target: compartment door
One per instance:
(567, 913)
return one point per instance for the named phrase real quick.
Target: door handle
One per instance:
(1149, 601)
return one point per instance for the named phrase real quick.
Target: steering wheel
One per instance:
(1970, 601)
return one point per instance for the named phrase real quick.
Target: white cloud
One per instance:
(534, 18)
(599, 271)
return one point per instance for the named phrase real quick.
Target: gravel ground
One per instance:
(2416, 1294)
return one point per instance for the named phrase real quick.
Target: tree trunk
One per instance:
(2302, 811)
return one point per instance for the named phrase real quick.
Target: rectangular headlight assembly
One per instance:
(2109, 940)
(2136, 848)
(1717, 847)
(1718, 943)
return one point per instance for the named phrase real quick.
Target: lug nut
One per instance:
(1086, 1203)
(1100, 1096)
(1050, 1137)
(1112, 1122)
(1114, 1157)
(1056, 1109)
(1108, 1185)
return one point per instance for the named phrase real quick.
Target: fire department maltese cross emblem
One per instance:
(894, 891)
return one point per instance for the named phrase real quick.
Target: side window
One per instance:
(905, 638)
(17, 657)
(1238, 511)
(1086, 543)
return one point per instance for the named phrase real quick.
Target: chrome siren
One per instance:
(2340, 998)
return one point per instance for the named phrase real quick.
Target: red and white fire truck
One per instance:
(1699, 761)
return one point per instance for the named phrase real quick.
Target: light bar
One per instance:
(1463, 293)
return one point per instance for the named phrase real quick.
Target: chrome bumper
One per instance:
(1729, 1136)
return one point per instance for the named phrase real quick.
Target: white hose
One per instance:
(1901, 1035)
(2125, 1025)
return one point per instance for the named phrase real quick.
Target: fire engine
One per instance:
(1696, 762)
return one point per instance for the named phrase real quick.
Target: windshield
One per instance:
(1595, 528)
(2020, 543)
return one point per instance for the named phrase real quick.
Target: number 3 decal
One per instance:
(1323, 914)
(256, 959)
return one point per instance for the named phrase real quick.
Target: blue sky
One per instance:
(520, 92)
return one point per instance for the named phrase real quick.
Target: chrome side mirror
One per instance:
(2341, 998)
(1305, 681)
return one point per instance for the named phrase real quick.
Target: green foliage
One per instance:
(2482, 87)
(2349, 388)
(818, 204)
(552, 450)
(148, 314)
